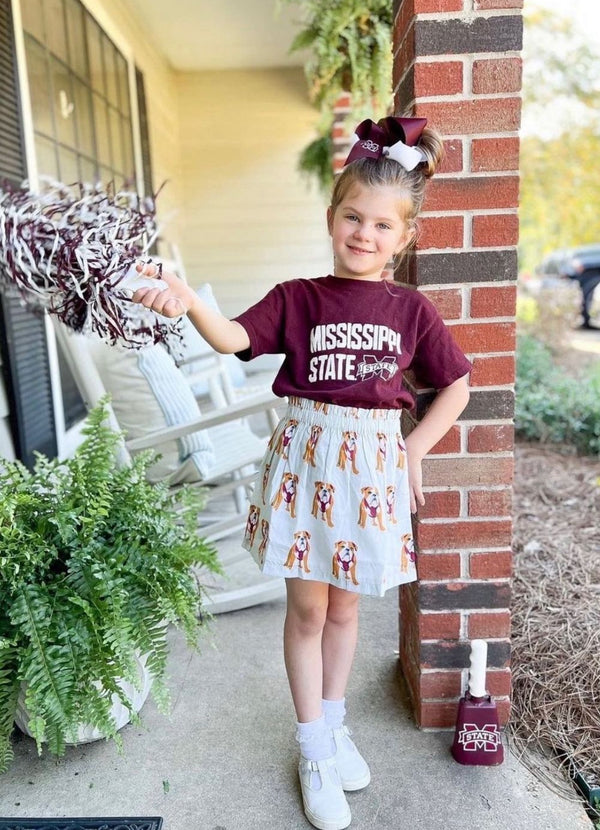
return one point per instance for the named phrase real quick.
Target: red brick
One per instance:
(496, 565)
(441, 232)
(461, 472)
(404, 56)
(343, 102)
(484, 337)
(493, 371)
(492, 624)
(484, 5)
(497, 75)
(439, 626)
(440, 684)
(489, 154)
(440, 504)
(456, 595)
(489, 115)
(450, 443)
(490, 502)
(448, 302)
(494, 301)
(452, 161)
(464, 534)
(442, 714)
(429, 6)
(491, 438)
(437, 715)
(498, 683)
(473, 193)
(438, 78)
(438, 566)
(495, 230)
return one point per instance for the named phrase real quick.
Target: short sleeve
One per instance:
(437, 361)
(264, 324)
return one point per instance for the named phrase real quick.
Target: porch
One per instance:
(226, 760)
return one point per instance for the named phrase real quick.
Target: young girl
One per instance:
(332, 502)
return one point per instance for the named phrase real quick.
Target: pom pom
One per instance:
(68, 249)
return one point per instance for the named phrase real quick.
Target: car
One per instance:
(581, 264)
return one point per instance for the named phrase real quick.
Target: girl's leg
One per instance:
(338, 647)
(302, 637)
(339, 641)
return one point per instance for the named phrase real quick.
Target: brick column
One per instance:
(457, 62)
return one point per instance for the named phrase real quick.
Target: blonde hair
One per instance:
(387, 172)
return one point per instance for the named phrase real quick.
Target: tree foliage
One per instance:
(560, 174)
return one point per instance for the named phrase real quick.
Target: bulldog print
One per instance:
(401, 451)
(299, 551)
(265, 481)
(381, 450)
(264, 540)
(251, 524)
(287, 494)
(408, 552)
(311, 444)
(348, 450)
(390, 503)
(285, 438)
(370, 508)
(322, 505)
(344, 560)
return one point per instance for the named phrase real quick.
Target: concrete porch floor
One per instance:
(226, 759)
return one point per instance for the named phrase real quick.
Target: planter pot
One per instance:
(119, 712)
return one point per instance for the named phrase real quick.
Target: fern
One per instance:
(94, 564)
(350, 43)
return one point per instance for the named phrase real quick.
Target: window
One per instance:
(82, 120)
(79, 95)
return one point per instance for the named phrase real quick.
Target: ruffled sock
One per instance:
(314, 739)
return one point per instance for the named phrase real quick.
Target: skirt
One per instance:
(331, 502)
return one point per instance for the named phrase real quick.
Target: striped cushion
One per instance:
(149, 393)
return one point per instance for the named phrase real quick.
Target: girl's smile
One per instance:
(367, 229)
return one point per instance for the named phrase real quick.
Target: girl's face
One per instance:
(367, 229)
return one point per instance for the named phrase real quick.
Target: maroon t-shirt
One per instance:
(348, 341)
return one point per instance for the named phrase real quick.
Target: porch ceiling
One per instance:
(220, 34)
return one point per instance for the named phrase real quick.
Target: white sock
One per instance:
(334, 712)
(314, 740)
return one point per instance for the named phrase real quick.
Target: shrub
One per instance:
(552, 406)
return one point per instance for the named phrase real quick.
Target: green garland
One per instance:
(351, 45)
(94, 564)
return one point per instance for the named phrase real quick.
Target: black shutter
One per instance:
(144, 133)
(22, 333)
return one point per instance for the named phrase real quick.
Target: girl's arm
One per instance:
(225, 336)
(443, 412)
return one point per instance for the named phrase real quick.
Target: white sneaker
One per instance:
(324, 801)
(353, 769)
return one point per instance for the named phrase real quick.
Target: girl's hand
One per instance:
(415, 478)
(173, 301)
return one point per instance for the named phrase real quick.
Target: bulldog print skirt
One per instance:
(331, 500)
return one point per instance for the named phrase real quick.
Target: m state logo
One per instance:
(473, 737)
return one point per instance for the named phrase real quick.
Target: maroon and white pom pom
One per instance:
(73, 254)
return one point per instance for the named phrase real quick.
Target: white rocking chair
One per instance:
(239, 449)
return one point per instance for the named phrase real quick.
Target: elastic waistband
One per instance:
(346, 417)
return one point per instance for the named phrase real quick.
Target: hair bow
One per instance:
(391, 137)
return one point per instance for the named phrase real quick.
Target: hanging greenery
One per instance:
(351, 52)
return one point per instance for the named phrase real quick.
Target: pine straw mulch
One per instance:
(555, 715)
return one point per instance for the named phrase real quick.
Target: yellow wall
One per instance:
(249, 219)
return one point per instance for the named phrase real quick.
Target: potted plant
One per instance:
(95, 563)
(350, 44)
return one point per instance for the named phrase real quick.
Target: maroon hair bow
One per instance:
(391, 137)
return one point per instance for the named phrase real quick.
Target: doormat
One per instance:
(154, 823)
